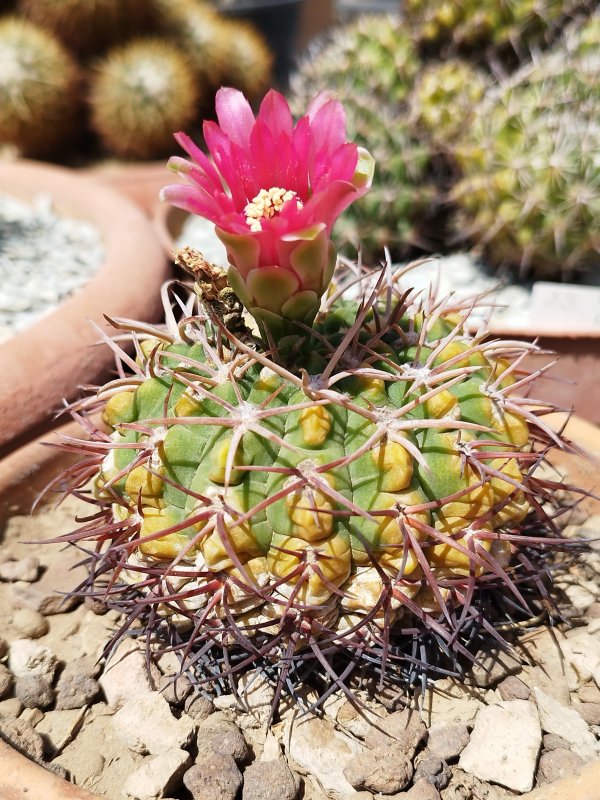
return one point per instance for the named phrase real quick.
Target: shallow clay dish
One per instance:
(52, 358)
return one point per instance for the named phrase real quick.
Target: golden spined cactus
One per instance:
(89, 27)
(139, 94)
(39, 90)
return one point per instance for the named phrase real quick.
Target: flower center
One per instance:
(266, 204)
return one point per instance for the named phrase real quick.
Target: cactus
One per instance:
(197, 29)
(139, 94)
(444, 99)
(349, 489)
(492, 26)
(529, 194)
(250, 62)
(39, 90)
(371, 64)
(88, 27)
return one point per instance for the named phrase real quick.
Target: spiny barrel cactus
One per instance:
(444, 98)
(331, 489)
(39, 89)
(493, 25)
(139, 93)
(529, 196)
(87, 27)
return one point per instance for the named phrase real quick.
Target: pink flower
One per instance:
(274, 191)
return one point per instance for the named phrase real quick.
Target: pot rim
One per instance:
(51, 358)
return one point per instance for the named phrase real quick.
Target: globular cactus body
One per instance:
(139, 94)
(269, 509)
(530, 191)
(89, 26)
(39, 89)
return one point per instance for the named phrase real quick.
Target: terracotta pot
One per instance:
(27, 471)
(51, 359)
(22, 779)
(140, 182)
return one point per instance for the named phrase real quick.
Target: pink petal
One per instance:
(327, 205)
(196, 201)
(222, 151)
(275, 113)
(196, 154)
(328, 127)
(235, 115)
(337, 166)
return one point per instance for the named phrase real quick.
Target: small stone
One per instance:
(56, 769)
(422, 790)
(566, 722)
(552, 741)
(30, 624)
(157, 775)
(386, 768)
(44, 595)
(215, 777)
(95, 605)
(492, 666)
(58, 728)
(504, 745)
(593, 611)
(6, 681)
(463, 786)
(270, 780)
(590, 712)
(589, 693)
(76, 690)
(582, 653)
(220, 735)
(557, 764)
(25, 569)
(125, 676)
(29, 658)
(322, 751)
(84, 665)
(447, 701)
(198, 707)
(174, 690)
(432, 769)
(447, 740)
(3, 647)
(513, 688)
(22, 736)
(11, 707)
(160, 730)
(34, 691)
(404, 727)
(32, 715)
(257, 695)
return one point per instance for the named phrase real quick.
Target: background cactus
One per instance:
(89, 26)
(444, 98)
(139, 95)
(530, 194)
(39, 90)
(492, 26)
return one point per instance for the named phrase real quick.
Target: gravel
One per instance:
(43, 258)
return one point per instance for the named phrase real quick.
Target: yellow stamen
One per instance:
(266, 204)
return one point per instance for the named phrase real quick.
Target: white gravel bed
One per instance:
(43, 258)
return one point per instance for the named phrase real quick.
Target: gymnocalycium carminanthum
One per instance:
(304, 470)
